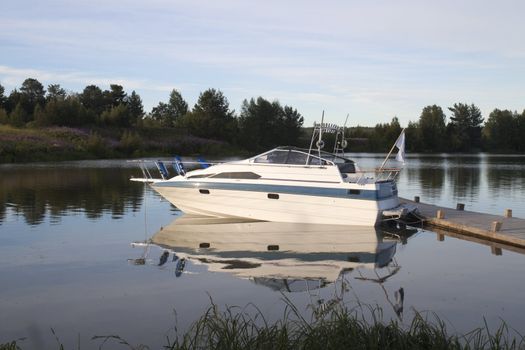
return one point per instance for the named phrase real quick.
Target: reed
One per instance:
(339, 327)
(10, 346)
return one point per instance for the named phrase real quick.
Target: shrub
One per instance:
(130, 142)
(97, 145)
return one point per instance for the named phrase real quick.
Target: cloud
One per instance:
(151, 92)
(376, 55)
(14, 76)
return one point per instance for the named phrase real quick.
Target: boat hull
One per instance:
(277, 207)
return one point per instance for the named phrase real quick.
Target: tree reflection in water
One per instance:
(464, 174)
(37, 192)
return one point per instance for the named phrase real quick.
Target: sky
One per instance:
(371, 60)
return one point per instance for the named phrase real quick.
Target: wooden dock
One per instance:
(494, 228)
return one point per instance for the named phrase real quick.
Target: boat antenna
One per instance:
(344, 143)
(320, 142)
(340, 144)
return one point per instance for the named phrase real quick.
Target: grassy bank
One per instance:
(338, 328)
(63, 143)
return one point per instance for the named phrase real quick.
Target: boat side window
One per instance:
(237, 175)
(348, 167)
(200, 176)
(275, 157)
(297, 158)
(316, 161)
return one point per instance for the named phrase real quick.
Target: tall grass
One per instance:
(340, 328)
(362, 327)
(10, 346)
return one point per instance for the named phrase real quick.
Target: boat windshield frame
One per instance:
(298, 156)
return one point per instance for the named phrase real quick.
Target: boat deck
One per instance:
(496, 228)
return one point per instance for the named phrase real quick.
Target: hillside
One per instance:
(66, 143)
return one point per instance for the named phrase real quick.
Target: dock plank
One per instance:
(473, 223)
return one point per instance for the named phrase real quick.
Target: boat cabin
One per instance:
(298, 156)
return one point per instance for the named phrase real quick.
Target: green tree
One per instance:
(464, 129)
(211, 117)
(413, 137)
(3, 98)
(115, 96)
(97, 145)
(118, 116)
(32, 93)
(130, 142)
(55, 92)
(358, 138)
(40, 116)
(15, 97)
(3, 104)
(264, 124)
(4, 119)
(161, 114)
(135, 107)
(384, 135)
(258, 123)
(519, 143)
(178, 107)
(432, 128)
(92, 98)
(64, 112)
(169, 114)
(500, 131)
(292, 123)
(19, 116)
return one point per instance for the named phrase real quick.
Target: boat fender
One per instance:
(179, 167)
(180, 267)
(163, 258)
(162, 169)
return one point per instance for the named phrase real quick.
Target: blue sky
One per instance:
(370, 59)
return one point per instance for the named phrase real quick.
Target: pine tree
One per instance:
(135, 107)
(465, 126)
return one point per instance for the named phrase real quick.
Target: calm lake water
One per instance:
(67, 262)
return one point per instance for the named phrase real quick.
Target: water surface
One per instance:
(67, 263)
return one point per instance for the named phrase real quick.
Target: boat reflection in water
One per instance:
(289, 257)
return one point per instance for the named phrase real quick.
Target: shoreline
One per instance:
(52, 144)
(28, 145)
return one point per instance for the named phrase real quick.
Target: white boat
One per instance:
(288, 184)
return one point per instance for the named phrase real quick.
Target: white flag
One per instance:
(400, 144)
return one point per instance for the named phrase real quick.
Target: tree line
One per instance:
(260, 124)
(466, 131)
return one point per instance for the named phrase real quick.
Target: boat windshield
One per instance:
(289, 156)
(298, 157)
(301, 157)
